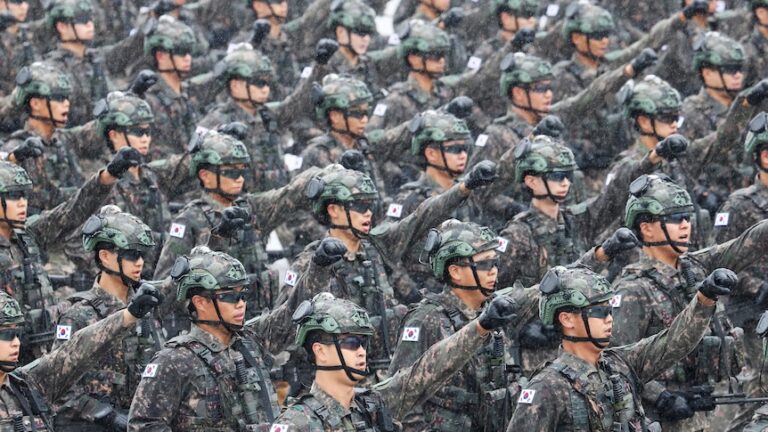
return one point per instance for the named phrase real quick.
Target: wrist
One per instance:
(481, 330)
(106, 178)
(464, 189)
(600, 254)
(128, 319)
(704, 300)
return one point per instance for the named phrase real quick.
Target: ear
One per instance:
(454, 272)
(199, 301)
(321, 353)
(646, 230)
(61, 27)
(576, 37)
(529, 181)
(204, 174)
(415, 61)
(334, 210)
(431, 154)
(335, 116)
(36, 104)
(103, 255)
(342, 36)
(566, 320)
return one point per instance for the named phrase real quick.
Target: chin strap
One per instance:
(675, 244)
(424, 71)
(348, 45)
(476, 287)
(346, 130)
(76, 38)
(249, 100)
(357, 233)
(8, 366)
(279, 18)
(181, 74)
(600, 343)
(232, 328)
(217, 189)
(731, 93)
(452, 173)
(343, 366)
(654, 134)
(588, 54)
(49, 119)
(123, 277)
(529, 107)
(549, 195)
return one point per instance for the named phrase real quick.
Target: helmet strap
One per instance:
(12, 222)
(217, 189)
(279, 18)
(588, 53)
(600, 343)
(452, 173)
(181, 74)
(346, 131)
(357, 233)
(731, 93)
(8, 366)
(75, 39)
(343, 366)
(423, 70)
(555, 199)
(130, 283)
(674, 244)
(348, 45)
(487, 292)
(55, 123)
(529, 105)
(232, 328)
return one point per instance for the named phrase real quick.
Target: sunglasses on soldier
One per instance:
(353, 342)
(358, 113)
(435, 55)
(16, 1)
(259, 82)
(731, 69)
(558, 176)
(599, 312)
(14, 195)
(540, 87)
(58, 97)
(82, 19)
(231, 297)
(667, 118)
(361, 206)
(678, 218)
(455, 148)
(10, 333)
(599, 35)
(232, 173)
(482, 265)
(132, 255)
(138, 131)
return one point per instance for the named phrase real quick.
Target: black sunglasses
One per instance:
(483, 265)
(558, 176)
(138, 131)
(435, 55)
(16, 1)
(9, 334)
(358, 114)
(259, 82)
(131, 254)
(540, 87)
(361, 206)
(232, 173)
(58, 97)
(232, 297)
(667, 118)
(182, 51)
(731, 69)
(362, 32)
(82, 19)
(15, 195)
(678, 218)
(600, 312)
(354, 342)
(455, 149)
(525, 14)
(599, 35)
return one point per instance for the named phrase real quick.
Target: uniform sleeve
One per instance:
(185, 234)
(737, 254)
(571, 110)
(742, 214)
(300, 100)
(173, 178)
(271, 207)
(631, 317)
(419, 331)
(297, 418)
(77, 317)
(544, 411)
(655, 38)
(521, 253)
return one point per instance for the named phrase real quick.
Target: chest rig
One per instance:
(35, 413)
(368, 414)
(560, 246)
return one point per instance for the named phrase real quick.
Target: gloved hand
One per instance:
(162, 7)
(551, 126)
(483, 173)
(452, 17)
(126, 158)
(460, 106)
(143, 81)
(353, 159)
(32, 147)
(324, 50)
(232, 219)
(145, 299)
(261, 28)
(718, 283)
(762, 296)
(500, 311)
(623, 239)
(673, 407)
(646, 58)
(236, 130)
(535, 336)
(514, 208)
(522, 38)
(698, 7)
(329, 251)
(671, 146)
(706, 198)
(700, 397)
(6, 20)
(758, 93)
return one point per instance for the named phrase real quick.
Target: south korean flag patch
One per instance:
(63, 332)
(615, 301)
(150, 371)
(291, 278)
(526, 397)
(503, 243)
(721, 219)
(177, 230)
(395, 210)
(277, 427)
(411, 334)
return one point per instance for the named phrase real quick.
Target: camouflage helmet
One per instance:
(215, 148)
(10, 312)
(13, 178)
(117, 228)
(653, 196)
(340, 93)
(583, 17)
(40, 80)
(754, 4)
(119, 110)
(519, 8)
(542, 154)
(522, 70)
(456, 239)
(650, 97)
(330, 315)
(422, 38)
(570, 288)
(353, 15)
(715, 50)
(169, 35)
(206, 269)
(436, 127)
(243, 62)
(757, 135)
(337, 186)
(69, 11)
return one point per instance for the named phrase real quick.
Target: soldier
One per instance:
(589, 387)
(655, 289)
(15, 50)
(335, 334)
(755, 44)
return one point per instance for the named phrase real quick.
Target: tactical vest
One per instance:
(368, 414)
(562, 246)
(270, 171)
(35, 412)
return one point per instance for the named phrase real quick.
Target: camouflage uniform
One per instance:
(675, 64)
(754, 44)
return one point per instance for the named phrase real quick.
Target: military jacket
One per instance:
(177, 115)
(702, 114)
(756, 47)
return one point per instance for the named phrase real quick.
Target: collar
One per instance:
(709, 106)
(449, 299)
(112, 302)
(584, 74)
(513, 121)
(419, 95)
(648, 263)
(212, 203)
(545, 221)
(163, 88)
(335, 409)
(4, 242)
(577, 364)
(209, 340)
(428, 182)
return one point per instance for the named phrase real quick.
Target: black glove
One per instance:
(261, 28)
(522, 38)
(32, 147)
(232, 219)
(647, 57)
(698, 7)
(551, 126)
(145, 299)
(514, 208)
(452, 17)
(324, 50)
(671, 147)
(700, 397)
(718, 283)
(762, 296)
(500, 311)
(118, 421)
(706, 199)
(673, 406)
(623, 239)
(143, 81)
(535, 336)
(126, 158)
(329, 251)
(353, 159)
(6, 20)
(164, 6)
(483, 173)
(236, 130)
(758, 93)
(460, 106)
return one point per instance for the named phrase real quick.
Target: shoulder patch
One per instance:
(395, 210)
(150, 371)
(474, 63)
(394, 39)
(721, 219)
(380, 110)
(526, 396)
(481, 140)
(277, 427)
(63, 332)
(503, 243)
(411, 334)
(615, 301)
(553, 9)
(290, 278)
(292, 162)
(306, 72)
(177, 230)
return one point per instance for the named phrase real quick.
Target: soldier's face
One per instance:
(456, 161)
(598, 47)
(131, 268)
(664, 127)
(258, 93)
(361, 221)
(761, 14)
(59, 109)
(558, 188)
(538, 96)
(678, 232)
(764, 158)
(9, 350)
(487, 271)
(233, 313)
(263, 10)
(711, 6)
(356, 119)
(15, 209)
(510, 24)
(182, 63)
(732, 79)
(227, 185)
(18, 10)
(434, 64)
(81, 31)
(139, 138)
(359, 42)
(326, 355)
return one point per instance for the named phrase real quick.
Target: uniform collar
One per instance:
(108, 299)
(449, 299)
(335, 409)
(210, 341)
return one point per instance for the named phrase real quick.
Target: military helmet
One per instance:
(117, 228)
(206, 269)
(169, 35)
(215, 148)
(522, 70)
(652, 196)
(519, 8)
(13, 178)
(10, 312)
(715, 50)
(340, 93)
(570, 289)
(586, 18)
(69, 11)
(542, 154)
(456, 239)
(650, 97)
(120, 110)
(339, 186)
(353, 15)
(757, 135)
(243, 62)
(754, 4)
(432, 127)
(421, 38)
(40, 80)
(330, 315)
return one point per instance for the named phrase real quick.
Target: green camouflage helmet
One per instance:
(340, 93)
(423, 38)
(715, 50)
(69, 11)
(117, 228)
(243, 62)
(540, 155)
(650, 97)
(456, 239)
(13, 178)
(337, 187)
(353, 15)
(521, 8)
(522, 70)
(40, 80)
(169, 35)
(754, 4)
(586, 18)
(214, 148)
(570, 288)
(757, 135)
(330, 315)
(653, 196)
(432, 127)
(120, 110)
(10, 312)
(208, 270)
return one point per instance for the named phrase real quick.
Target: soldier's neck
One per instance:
(649, 141)
(218, 331)
(247, 107)
(472, 299)
(720, 96)
(351, 241)
(762, 177)
(13, 29)
(583, 350)
(424, 81)
(43, 128)
(350, 55)
(76, 48)
(226, 202)
(427, 11)
(172, 80)
(547, 206)
(5, 230)
(348, 141)
(440, 177)
(587, 62)
(530, 117)
(328, 383)
(135, 172)
(275, 28)
(114, 286)
(763, 30)
(505, 35)
(700, 21)
(664, 254)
